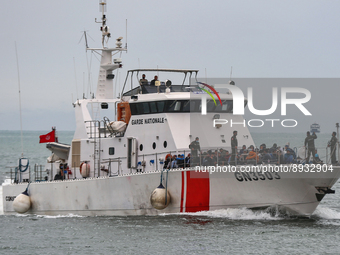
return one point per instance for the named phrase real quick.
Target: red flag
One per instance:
(48, 138)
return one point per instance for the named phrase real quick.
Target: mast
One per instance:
(107, 63)
(22, 143)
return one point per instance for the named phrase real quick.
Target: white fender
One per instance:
(22, 203)
(158, 199)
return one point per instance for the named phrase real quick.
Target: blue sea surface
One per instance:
(231, 231)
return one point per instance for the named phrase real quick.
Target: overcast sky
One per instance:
(277, 39)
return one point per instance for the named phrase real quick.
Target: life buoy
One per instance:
(84, 169)
(80, 167)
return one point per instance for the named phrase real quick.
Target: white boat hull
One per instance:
(190, 191)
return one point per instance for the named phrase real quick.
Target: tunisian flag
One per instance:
(48, 138)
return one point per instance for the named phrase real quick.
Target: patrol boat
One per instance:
(116, 165)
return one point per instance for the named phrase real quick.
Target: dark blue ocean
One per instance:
(232, 231)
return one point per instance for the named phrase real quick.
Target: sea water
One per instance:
(230, 231)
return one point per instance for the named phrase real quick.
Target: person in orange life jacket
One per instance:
(252, 156)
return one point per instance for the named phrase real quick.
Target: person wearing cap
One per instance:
(309, 142)
(332, 144)
(233, 143)
(195, 147)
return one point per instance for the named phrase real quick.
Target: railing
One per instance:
(101, 129)
(38, 174)
(159, 161)
(211, 156)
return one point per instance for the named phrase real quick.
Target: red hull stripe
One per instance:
(197, 191)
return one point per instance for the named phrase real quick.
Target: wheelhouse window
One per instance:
(153, 107)
(160, 106)
(172, 106)
(146, 108)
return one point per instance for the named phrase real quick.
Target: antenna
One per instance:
(22, 143)
(86, 39)
(104, 28)
(75, 75)
(85, 36)
(231, 82)
(102, 6)
(83, 85)
(126, 35)
(89, 85)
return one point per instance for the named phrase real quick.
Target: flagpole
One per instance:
(22, 143)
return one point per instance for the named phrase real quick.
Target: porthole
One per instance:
(141, 147)
(154, 145)
(165, 144)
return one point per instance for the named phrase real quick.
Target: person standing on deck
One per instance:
(332, 144)
(194, 147)
(309, 141)
(153, 82)
(143, 81)
(233, 143)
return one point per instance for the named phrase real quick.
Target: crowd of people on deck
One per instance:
(251, 155)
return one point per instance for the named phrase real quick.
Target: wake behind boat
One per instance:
(136, 162)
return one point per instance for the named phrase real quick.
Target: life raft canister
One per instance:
(123, 112)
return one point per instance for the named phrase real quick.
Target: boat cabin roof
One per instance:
(146, 88)
(163, 70)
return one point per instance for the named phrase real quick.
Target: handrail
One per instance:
(156, 161)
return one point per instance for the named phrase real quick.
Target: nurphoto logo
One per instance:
(239, 103)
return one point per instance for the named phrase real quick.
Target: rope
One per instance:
(25, 166)
(166, 186)
(26, 190)
(161, 184)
